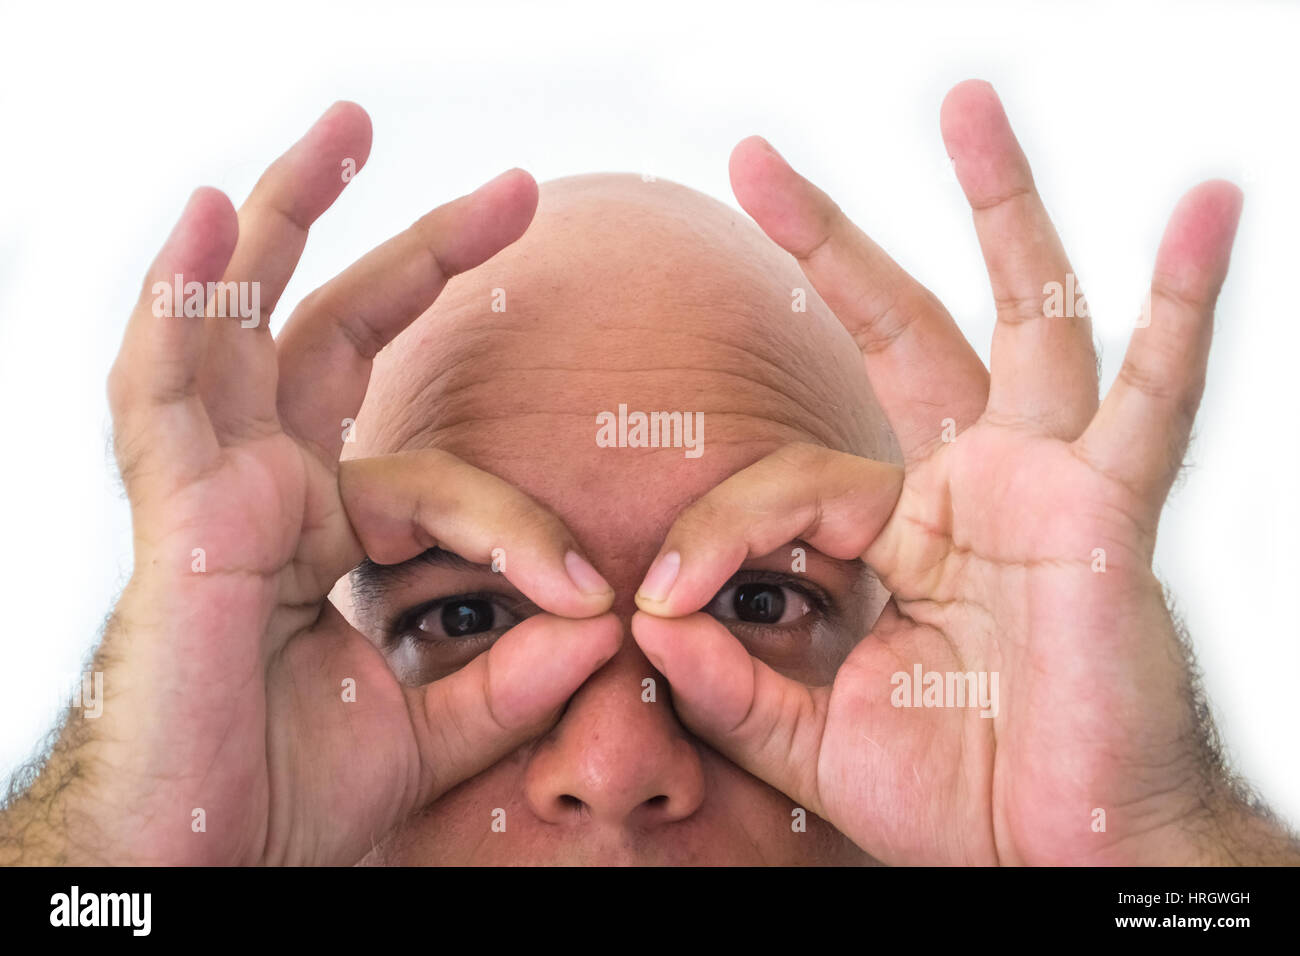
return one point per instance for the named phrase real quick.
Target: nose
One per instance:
(616, 756)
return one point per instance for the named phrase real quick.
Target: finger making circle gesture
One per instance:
(246, 721)
(1024, 696)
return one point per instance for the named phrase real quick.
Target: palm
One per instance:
(340, 774)
(270, 524)
(1002, 573)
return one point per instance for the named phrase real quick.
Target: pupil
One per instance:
(759, 603)
(466, 617)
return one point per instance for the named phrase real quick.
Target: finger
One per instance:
(401, 505)
(238, 378)
(835, 502)
(765, 722)
(921, 367)
(508, 695)
(152, 387)
(329, 342)
(1141, 432)
(1043, 364)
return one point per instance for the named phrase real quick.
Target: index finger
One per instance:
(404, 504)
(327, 347)
(836, 502)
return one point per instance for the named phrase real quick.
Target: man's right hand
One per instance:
(224, 662)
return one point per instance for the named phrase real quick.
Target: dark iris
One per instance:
(759, 603)
(468, 616)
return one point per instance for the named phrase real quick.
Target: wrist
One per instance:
(1227, 828)
(54, 820)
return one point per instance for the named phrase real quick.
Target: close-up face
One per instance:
(651, 297)
(832, 503)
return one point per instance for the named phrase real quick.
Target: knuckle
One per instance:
(1019, 309)
(1147, 375)
(704, 517)
(796, 456)
(532, 522)
(1177, 294)
(129, 455)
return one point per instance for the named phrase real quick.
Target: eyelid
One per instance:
(817, 596)
(405, 622)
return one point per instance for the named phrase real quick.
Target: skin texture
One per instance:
(249, 722)
(655, 296)
(1020, 547)
(239, 697)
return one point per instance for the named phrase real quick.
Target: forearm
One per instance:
(50, 821)
(1236, 829)
(61, 809)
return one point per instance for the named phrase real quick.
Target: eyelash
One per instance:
(404, 624)
(819, 601)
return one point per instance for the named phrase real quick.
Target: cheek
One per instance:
(859, 622)
(816, 658)
(778, 831)
(742, 821)
(458, 828)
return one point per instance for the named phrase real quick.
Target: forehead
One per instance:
(559, 441)
(649, 297)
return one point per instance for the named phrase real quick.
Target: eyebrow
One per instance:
(370, 580)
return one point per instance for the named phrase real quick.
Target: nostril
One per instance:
(658, 803)
(569, 802)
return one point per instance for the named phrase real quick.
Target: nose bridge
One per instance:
(618, 755)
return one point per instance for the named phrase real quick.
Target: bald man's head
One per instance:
(621, 290)
(651, 296)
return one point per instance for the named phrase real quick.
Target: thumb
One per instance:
(766, 723)
(506, 696)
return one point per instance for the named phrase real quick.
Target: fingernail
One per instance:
(584, 576)
(659, 579)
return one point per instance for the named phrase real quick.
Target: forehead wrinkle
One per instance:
(803, 389)
(462, 433)
(451, 394)
(519, 394)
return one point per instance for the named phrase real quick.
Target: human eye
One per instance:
(759, 601)
(437, 638)
(460, 620)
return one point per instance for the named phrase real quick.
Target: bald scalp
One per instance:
(622, 287)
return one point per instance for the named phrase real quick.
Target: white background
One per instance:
(112, 114)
